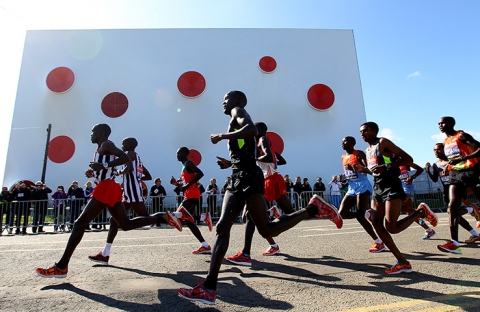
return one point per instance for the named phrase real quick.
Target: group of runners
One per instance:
(255, 180)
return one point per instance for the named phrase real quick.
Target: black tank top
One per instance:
(242, 153)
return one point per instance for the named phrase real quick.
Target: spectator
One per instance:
(22, 195)
(88, 192)
(6, 198)
(212, 191)
(228, 181)
(288, 183)
(319, 187)
(59, 208)
(334, 187)
(297, 191)
(178, 191)
(157, 193)
(77, 199)
(306, 191)
(40, 196)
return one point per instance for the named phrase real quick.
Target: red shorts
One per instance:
(108, 192)
(192, 192)
(275, 187)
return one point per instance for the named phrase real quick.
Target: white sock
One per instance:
(202, 217)
(378, 241)
(274, 245)
(205, 244)
(455, 243)
(177, 214)
(469, 209)
(106, 250)
(473, 232)
(270, 212)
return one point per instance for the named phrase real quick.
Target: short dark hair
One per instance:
(240, 96)
(449, 119)
(370, 124)
(184, 149)
(105, 128)
(350, 138)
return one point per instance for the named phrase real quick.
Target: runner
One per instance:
(359, 190)
(275, 190)
(107, 194)
(407, 175)
(441, 169)
(191, 198)
(246, 190)
(462, 151)
(132, 194)
(388, 193)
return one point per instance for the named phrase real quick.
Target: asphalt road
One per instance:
(319, 268)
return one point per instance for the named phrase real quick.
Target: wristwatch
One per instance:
(105, 165)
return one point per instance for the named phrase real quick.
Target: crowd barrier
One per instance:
(62, 213)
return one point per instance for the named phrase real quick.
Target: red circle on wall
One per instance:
(60, 79)
(276, 141)
(267, 64)
(195, 157)
(114, 104)
(191, 84)
(61, 149)
(320, 97)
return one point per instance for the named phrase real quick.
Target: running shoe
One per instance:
(275, 211)
(398, 268)
(475, 213)
(240, 259)
(202, 250)
(52, 271)
(429, 214)
(428, 234)
(198, 293)
(208, 221)
(325, 208)
(271, 251)
(473, 239)
(376, 247)
(186, 216)
(99, 258)
(368, 215)
(450, 247)
(172, 220)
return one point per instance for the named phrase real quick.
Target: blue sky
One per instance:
(418, 60)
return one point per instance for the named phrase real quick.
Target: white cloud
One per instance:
(414, 74)
(439, 137)
(388, 133)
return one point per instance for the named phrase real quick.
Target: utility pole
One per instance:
(44, 170)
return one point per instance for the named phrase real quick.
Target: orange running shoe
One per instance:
(398, 268)
(172, 220)
(450, 247)
(186, 216)
(271, 251)
(475, 213)
(208, 221)
(99, 258)
(240, 259)
(473, 239)
(429, 214)
(202, 250)
(376, 247)
(326, 209)
(198, 293)
(52, 271)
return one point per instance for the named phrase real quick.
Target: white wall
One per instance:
(138, 63)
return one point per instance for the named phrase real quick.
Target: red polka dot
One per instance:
(114, 104)
(320, 97)
(267, 64)
(60, 79)
(191, 84)
(61, 149)
(195, 157)
(276, 141)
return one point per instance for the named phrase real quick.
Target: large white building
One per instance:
(165, 87)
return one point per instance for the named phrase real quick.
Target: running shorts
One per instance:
(107, 192)
(275, 187)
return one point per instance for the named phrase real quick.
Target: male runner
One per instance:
(388, 193)
(463, 153)
(132, 194)
(441, 169)
(246, 190)
(359, 190)
(407, 177)
(191, 198)
(107, 193)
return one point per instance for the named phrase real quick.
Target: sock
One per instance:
(177, 214)
(202, 217)
(62, 264)
(455, 243)
(205, 244)
(106, 250)
(274, 245)
(378, 241)
(469, 209)
(246, 255)
(473, 232)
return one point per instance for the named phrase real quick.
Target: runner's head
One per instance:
(100, 133)
(369, 131)
(446, 124)
(234, 99)
(439, 150)
(129, 144)
(182, 153)
(262, 129)
(348, 142)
